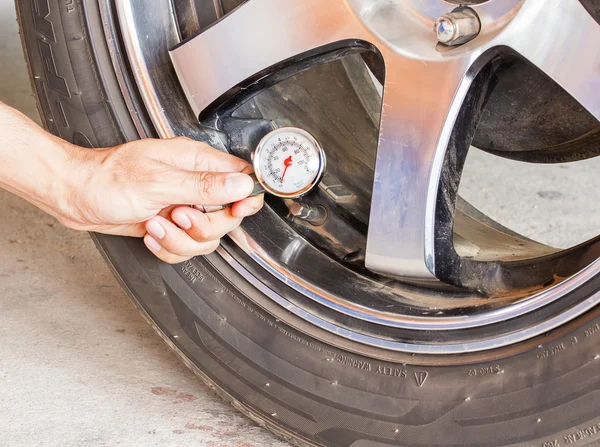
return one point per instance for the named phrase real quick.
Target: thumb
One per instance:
(210, 188)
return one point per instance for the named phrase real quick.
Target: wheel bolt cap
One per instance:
(460, 26)
(445, 29)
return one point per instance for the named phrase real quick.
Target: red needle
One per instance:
(287, 162)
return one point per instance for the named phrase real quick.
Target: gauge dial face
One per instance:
(289, 162)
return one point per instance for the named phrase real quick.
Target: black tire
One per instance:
(303, 383)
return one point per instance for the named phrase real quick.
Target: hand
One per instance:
(143, 189)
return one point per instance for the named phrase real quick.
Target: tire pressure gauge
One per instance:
(289, 162)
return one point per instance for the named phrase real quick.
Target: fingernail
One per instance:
(151, 243)
(239, 185)
(155, 229)
(182, 220)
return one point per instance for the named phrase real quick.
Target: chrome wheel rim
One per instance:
(278, 259)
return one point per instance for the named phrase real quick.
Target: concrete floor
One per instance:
(79, 366)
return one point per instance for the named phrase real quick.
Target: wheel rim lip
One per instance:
(415, 322)
(440, 323)
(415, 348)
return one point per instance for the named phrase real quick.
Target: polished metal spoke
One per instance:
(256, 39)
(421, 102)
(563, 40)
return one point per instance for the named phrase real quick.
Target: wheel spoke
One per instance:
(562, 39)
(258, 38)
(421, 105)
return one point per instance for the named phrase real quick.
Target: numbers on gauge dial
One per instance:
(289, 162)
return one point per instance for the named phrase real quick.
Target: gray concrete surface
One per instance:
(79, 366)
(558, 205)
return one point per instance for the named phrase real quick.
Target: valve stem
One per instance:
(313, 214)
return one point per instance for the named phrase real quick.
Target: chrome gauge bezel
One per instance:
(262, 146)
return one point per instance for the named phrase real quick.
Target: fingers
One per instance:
(172, 258)
(203, 227)
(201, 174)
(193, 233)
(190, 172)
(171, 244)
(175, 240)
(204, 188)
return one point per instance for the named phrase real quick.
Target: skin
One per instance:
(140, 189)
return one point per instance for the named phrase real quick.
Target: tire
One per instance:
(303, 383)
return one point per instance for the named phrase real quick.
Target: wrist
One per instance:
(48, 178)
(68, 169)
(41, 168)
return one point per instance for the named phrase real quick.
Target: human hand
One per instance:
(143, 189)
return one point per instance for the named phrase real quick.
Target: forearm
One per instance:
(35, 164)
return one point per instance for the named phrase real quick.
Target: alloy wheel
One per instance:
(406, 276)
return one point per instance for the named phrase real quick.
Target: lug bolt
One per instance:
(457, 27)
(316, 215)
